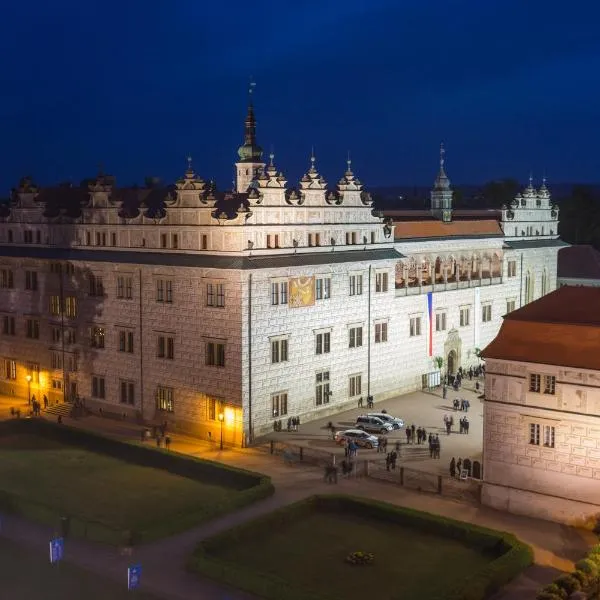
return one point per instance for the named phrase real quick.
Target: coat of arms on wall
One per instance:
(302, 292)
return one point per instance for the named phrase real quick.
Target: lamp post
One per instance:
(28, 377)
(221, 419)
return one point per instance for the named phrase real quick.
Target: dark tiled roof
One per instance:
(527, 244)
(181, 259)
(579, 262)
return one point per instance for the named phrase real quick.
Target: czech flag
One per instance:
(430, 313)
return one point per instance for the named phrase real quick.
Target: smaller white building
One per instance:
(579, 265)
(541, 449)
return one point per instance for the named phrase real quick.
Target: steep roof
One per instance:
(579, 262)
(438, 229)
(561, 328)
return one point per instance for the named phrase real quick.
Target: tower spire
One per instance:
(441, 195)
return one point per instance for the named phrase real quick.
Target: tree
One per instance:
(499, 192)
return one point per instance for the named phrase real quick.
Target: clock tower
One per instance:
(441, 194)
(250, 153)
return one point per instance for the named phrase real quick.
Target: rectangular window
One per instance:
(204, 242)
(355, 386)
(33, 369)
(33, 329)
(55, 305)
(124, 287)
(69, 336)
(175, 241)
(381, 332)
(98, 387)
(549, 384)
(126, 341)
(323, 342)
(279, 292)
(166, 347)
(322, 391)
(279, 404)
(279, 350)
(56, 360)
(212, 409)
(164, 399)
(28, 237)
(7, 279)
(57, 384)
(356, 285)
(88, 238)
(440, 321)
(415, 326)
(56, 334)
(169, 292)
(215, 295)
(323, 288)
(464, 317)
(71, 307)
(535, 383)
(215, 354)
(512, 268)
(127, 395)
(164, 290)
(314, 239)
(373, 237)
(97, 337)
(510, 305)
(486, 313)
(10, 236)
(355, 337)
(10, 368)
(548, 436)
(113, 239)
(381, 282)
(534, 434)
(272, 240)
(96, 285)
(31, 280)
(8, 325)
(163, 240)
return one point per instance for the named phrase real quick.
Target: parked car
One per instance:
(358, 436)
(395, 422)
(373, 424)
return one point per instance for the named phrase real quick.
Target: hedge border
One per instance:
(246, 486)
(512, 554)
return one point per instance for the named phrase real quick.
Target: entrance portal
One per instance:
(451, 362)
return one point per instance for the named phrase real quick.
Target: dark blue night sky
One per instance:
(510, 87)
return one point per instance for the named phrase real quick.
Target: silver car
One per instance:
(373, 424)
(395, 422)
(358, 436)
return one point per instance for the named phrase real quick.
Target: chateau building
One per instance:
(541, 429)
(239, 309)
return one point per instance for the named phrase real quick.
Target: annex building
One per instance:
(192, 305)
(541, 449)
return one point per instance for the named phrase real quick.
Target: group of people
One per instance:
(292, 424)
(461, 404)
(390, 460)
(463, 424)
(370, 402)
(434, 446)
(456, 467)
(159, 433)
(419, 434)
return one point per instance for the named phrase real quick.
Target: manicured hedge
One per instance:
(246, 486)
(511, 555)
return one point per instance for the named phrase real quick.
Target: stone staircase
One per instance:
(62, 408)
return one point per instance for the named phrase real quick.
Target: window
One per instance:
(163, 240)
(512, 268)
(124, 287)
(549, 384)
(215, 295)
(510, 305)
(323, 342)
(126, 341)
(97, 337)
(351, 237)
(10, 368)
(355, 337)
(7, 279)
(56, 360)
(69, 336)
(166, 347)
(98, 387)
(164, 290)
(8, 325)
(279, 404)
(33, 329)
(174, 241)
(31, 280)
(279, 292)
(355, 386)
(544, 434)
(113, 239)
(212, 409)
(127, 395)
(323, 288)
(486, 313)
(10, 236)
(215, 354)
(464, 317)
(28, 237)
(204, 242)
(381, 282)
(55, 305)
(38, 237)
(279, 350)
(415, 326)
(71, 306)
(272, 240)
(314, 239)
(57, 384)
(534, 434)
(164, 399)
(322, 391)
(96, 285)
(548, 436)
(88, 238)
(381, 332)
(55, 334)
(356, 285)
(373, 237)
(534, 383)
(33, 369)
(440, 321)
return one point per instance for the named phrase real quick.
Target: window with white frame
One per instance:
(323, 288)
(215, 354)
(550, 384)
(511, 268)
(279, 349)
(164, 399)
(415, 326)
(354, 385)
(486, 312)
(279, 404)
(541, 434)
(322, 342)
(381, 332)
(535, 382)
(542, 383)
(511, 304)
(215, 295)
(279, 292)
(464, 316)
(356, 284)
(381, 281)
(355, 336)
(322, 391)
(440, 321)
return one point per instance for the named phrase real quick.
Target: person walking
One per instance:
(453, 467)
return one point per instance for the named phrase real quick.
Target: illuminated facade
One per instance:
(185, 303)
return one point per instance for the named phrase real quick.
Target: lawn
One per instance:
(97, 488)
(28, 575)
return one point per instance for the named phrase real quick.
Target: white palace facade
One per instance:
(190, 305)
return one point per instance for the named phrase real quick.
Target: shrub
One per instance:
(582, 577)
(568, 583)
(587, 566)
(552, 588)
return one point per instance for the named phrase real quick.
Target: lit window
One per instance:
(164, 399)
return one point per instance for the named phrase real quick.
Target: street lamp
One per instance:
(28, 377)
(221, 419)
